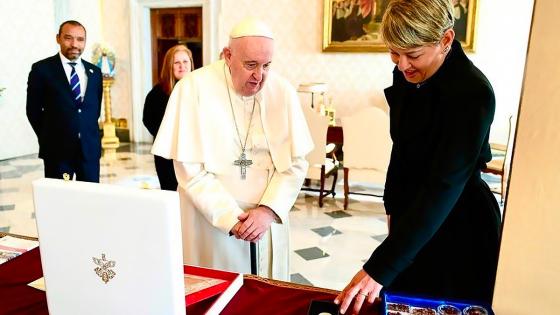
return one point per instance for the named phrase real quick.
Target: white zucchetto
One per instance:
(251, 27)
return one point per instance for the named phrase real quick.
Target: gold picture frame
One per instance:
(465, 23)
(353, 25)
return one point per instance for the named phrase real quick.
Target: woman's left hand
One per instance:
(361, 287)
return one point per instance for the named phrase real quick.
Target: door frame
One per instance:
(141, 54)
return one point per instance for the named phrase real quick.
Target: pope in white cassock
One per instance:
(238, 138)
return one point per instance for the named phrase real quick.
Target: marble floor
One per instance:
(328, 245)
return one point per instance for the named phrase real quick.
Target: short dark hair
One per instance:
(71, 22)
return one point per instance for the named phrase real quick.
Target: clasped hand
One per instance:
(253, 224)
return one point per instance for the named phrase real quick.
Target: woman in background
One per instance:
(444, 223)
(176, 64)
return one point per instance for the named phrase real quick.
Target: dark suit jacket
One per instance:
(444, 231)
(63, 128)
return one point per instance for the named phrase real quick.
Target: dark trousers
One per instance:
(165, 173)
(85, 171)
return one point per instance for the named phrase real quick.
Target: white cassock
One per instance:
(199, 134)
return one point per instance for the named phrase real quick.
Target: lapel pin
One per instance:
(90, 70)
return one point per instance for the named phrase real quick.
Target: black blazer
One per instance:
(441, 211)
(63, 128)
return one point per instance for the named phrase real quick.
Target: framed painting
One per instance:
(354, 25)
(465, 20)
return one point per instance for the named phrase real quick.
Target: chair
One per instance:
(500, 165)
(367, 148)
(320, 167)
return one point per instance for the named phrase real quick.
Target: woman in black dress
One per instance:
(176, 63)
(444, 222)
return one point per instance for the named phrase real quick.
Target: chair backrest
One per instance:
(318, 126)
(367, 142)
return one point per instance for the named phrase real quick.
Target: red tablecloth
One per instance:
(16, 297)
(256, 296)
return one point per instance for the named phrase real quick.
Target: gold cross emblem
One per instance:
(104, 270)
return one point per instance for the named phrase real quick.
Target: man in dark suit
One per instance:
(63, 106)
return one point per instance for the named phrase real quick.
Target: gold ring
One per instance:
(364, 294)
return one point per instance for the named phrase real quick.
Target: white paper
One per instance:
(38, 284)
(11, 247)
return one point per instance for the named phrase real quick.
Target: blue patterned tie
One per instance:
(75, 84)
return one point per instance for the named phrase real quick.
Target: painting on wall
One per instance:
(465, 13)
(354, 25)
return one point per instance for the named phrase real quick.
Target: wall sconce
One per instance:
(313, 88)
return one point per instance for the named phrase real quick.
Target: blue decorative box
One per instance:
(406, 305)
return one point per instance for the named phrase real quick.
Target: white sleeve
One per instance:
(208, 195)
(284, 187)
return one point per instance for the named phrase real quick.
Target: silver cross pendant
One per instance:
(242, 162)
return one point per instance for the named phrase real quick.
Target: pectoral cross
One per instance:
(242, 162)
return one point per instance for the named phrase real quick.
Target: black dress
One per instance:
(154, 109)
(445, 222)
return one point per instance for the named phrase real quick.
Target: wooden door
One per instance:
(172, 26)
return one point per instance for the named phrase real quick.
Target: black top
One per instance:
(433, 190)
(154, 109)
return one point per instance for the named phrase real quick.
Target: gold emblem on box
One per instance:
(104, 270)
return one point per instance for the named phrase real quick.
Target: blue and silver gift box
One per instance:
(395, 304)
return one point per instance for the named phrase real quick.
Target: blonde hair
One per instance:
(413, 23)
(166, 78)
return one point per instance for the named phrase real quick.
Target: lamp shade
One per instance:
(315, 87)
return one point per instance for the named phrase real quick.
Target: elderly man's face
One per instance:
(249, 59)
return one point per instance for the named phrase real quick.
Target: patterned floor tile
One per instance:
(338, 214)
(298, 278)
(379, 238)
(345, 239)
(24, 169)
(7, 207)
(8, 190)
(326, 230)
(311, 253)
(10, 174)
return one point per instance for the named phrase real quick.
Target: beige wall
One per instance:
(27, 34)
(529, 267)
(355, 79)
(115, 30)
